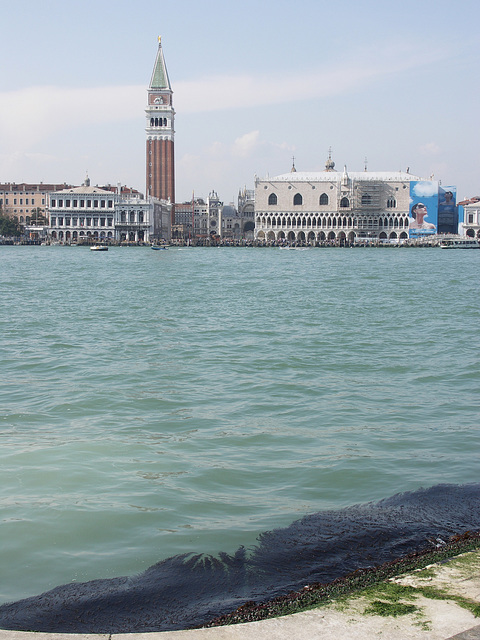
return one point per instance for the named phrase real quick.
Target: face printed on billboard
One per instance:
(447, 210)
(423, 216)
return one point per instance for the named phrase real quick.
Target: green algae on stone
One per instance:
(382, 608)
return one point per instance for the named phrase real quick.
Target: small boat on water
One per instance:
(159, 247)
(460, 243)
(99, 247)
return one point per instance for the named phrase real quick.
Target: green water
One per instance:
(155, 403)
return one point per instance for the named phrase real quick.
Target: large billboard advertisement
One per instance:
(447, 210)
(423, 215)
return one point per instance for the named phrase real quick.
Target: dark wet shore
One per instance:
(314, 595)
(330, 551)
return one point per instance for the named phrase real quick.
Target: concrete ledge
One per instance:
(471, 634)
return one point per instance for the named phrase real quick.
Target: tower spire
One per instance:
(160, 132)
(160, 79)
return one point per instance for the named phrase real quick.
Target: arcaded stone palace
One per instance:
(333, 206)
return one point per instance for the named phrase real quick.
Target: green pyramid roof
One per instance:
(160, 79)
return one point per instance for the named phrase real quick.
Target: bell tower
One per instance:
(160, 133)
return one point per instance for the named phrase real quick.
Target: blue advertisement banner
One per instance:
(423, 215)
(447, 210)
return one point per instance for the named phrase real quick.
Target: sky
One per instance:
(383, 84)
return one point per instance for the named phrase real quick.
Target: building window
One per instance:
(470, 218)
(89, 204)
(272, 198)
(95, 204)
(391, 203)
(366, 199)
(82, 204)
(52, 203)
(110, 204)
(53, 222)
(60, 203)
(75, 203)
(344, 203)
(324, 199)
(102, 204)
(67, 203)
(297, 199)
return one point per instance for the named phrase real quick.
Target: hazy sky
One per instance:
(255, 83)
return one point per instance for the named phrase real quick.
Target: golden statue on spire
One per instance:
(159, 39)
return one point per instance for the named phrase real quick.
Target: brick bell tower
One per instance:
(160, 133)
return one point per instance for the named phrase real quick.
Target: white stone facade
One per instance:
(93, 214)
(470, 226)
(332, 207)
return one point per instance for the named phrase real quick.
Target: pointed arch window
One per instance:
(324, 199)
(344, 203)
(297, 199)
(272, 198)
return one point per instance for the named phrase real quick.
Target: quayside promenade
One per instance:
(360, 243)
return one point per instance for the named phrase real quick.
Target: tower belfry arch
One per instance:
(160, 133)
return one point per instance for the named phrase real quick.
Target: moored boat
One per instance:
(99, 247)
(460, 243)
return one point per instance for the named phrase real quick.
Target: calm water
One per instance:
(155, 403)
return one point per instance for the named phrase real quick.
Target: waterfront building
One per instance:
(191, 220)
(106, 214)
(341, 207)
(160, 133)
(201, 219)
(246, 212)
(26, 202)
(470, 225)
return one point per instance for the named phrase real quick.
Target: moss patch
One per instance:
(428, 572)
(381, 608)
(434, 593)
